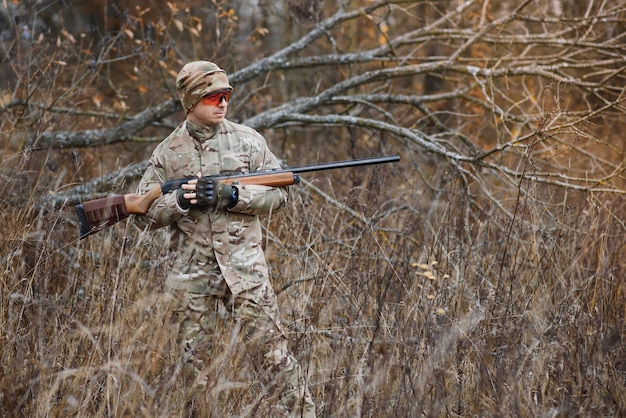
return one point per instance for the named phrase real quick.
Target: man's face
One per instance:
(211, 109)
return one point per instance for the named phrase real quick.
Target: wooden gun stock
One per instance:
(95, 215)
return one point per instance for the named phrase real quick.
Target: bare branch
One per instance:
(106, 136)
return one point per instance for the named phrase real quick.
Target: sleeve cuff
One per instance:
(181, 210)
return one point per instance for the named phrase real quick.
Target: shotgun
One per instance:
(95, 215)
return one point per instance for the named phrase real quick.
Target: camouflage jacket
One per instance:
(206, 242)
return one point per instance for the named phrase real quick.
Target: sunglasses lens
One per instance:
(216, 98)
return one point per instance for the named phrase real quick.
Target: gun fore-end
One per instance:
(278, 179)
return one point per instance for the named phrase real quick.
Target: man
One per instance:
(216, 235)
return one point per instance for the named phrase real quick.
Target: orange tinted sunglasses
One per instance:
(214, 99)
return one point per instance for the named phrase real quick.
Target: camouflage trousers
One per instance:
(253, 320)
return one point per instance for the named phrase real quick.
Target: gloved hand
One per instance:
(209, 193)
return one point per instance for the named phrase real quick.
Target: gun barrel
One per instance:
(344, 164)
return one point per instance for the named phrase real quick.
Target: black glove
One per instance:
(183, 202)
(210, 193)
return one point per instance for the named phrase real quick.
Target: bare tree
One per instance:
(508, 94)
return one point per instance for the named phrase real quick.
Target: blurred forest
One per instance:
(482, 275)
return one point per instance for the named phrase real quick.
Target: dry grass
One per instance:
(412, 313)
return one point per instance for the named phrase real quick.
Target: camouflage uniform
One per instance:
(218, 254)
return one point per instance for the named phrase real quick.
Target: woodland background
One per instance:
(483, 275)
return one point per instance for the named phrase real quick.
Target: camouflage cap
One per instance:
(197, 79)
